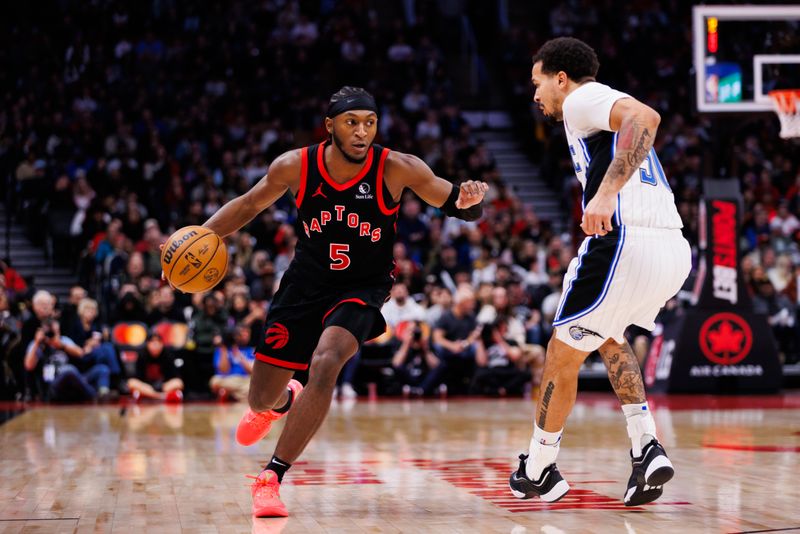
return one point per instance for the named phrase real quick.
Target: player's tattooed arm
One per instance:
(636, 125)
(623, 372)
(284, 174)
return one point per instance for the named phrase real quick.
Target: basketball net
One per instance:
(787, 105)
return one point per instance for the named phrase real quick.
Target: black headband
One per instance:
(361, 102)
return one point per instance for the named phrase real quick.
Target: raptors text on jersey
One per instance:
(346, 231)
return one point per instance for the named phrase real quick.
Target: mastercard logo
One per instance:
(129, 334)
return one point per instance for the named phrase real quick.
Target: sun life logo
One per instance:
(364, 189)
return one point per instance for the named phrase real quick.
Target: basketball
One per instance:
(194, 259)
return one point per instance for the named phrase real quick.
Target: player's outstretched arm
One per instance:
(284, 173)
(637, 125)
(463, 202)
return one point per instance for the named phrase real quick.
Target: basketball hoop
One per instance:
(787, 105)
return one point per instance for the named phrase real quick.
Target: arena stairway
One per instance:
(30, 260)
(516, 169)
(523, 176)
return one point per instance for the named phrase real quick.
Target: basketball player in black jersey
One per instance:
(347, 191)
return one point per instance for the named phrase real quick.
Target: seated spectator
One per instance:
(454, 338)
(164, 307)
(130, 307)
(11, 377)
(233, 365)
(69, 311)
(440, 301)
(500, 367)
(781, 315)
(208, 325)
(415, 365)
(400, 307)
(14, 283)
(157, 376)
(51, 358)
(88, 334)
(246, 312)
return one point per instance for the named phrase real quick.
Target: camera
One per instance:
(487, 334)
(417, 333)
(48, 330)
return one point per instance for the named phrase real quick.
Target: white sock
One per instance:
(542, 452)
(641, 426)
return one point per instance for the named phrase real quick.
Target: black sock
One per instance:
(278, 466)
(285, 407)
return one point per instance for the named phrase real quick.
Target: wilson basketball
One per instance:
(194, 259)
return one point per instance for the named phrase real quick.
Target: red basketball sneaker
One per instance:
(254, 426)
(174, 397)
(266, 496)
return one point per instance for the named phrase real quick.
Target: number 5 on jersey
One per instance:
(341, 260)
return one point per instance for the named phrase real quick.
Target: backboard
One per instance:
(742, 52)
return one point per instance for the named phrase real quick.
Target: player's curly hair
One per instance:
(577, 59)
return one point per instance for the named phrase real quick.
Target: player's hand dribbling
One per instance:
(597, 215)
(471, 193)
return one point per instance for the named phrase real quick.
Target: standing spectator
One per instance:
(233, 365)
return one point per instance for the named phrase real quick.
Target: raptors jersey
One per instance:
(646, 200)
(346, 231)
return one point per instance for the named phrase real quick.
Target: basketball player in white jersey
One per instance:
(632, 261)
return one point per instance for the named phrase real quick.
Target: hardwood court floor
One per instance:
(395, 466)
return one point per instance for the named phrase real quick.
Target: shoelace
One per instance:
(262, 484)
(260, 419)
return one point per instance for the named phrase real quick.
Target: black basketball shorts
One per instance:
(300, 312)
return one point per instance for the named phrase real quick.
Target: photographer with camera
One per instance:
(500, 368)
(415, 365)
(233, 363)
(51, 357)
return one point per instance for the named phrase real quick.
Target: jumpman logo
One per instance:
(319, 192)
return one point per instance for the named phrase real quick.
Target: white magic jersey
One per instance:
(646, 199)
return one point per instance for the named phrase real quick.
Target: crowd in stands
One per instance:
(147, 117)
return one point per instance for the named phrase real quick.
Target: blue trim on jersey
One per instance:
(618, 211)
(660, 171)
(585, 151)
(574, 277)
(606, 285)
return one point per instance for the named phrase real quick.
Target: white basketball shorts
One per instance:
(617, 280)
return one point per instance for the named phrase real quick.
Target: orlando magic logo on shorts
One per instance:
(579, 332)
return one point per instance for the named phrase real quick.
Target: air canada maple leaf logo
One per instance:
(726, 338)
